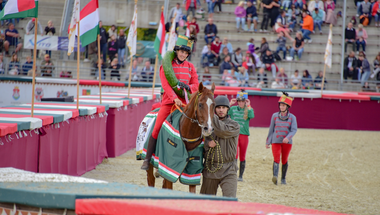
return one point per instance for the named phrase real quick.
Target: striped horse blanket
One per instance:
(170, 158)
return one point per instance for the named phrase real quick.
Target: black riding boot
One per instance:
(241, 170)
(284, 169)
(149, 152)
(275, 172)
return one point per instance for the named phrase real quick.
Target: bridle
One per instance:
(192, 120)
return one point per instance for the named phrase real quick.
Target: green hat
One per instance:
(184, 41)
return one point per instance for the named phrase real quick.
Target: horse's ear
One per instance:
(213, 87)
(200, 87)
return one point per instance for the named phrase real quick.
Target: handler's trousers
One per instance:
(228, 185)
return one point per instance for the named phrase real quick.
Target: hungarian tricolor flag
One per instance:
(89, 23)
(159, 43)
(19, 9)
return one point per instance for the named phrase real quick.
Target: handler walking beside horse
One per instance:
(220, 151)
(188, 77)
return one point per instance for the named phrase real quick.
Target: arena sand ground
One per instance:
(332, 170)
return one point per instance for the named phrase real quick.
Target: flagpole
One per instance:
(34, 64)
(99, 70)
(324, 70)
(78, 58)
(154, 76)
(130, 66)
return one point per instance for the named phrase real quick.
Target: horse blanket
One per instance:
(171, 158)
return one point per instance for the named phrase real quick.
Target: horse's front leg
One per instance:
(192, 188)
(167, 184)
(150, 177)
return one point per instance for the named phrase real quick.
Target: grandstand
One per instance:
(313, 57)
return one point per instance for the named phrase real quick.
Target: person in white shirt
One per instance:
(277, 84)
(176, 10)
(295, 80)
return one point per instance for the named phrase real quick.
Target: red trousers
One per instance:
(281, 150)
(163, 113)
(242, 147)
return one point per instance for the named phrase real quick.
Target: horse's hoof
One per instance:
(156, 174)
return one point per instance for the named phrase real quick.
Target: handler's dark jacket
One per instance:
(226, 132)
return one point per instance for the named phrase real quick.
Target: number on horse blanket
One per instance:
(171, 158)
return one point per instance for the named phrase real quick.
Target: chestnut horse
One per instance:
(195, 123)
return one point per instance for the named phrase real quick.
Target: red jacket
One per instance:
(216, 47)
(375, 7)
(188, 2)
(185, 73)
(156, 105)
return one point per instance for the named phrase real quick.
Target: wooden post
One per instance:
(78, 58)
(130, 76)
(154, 76)
(34, 64)
(99, 70)
(323, 80)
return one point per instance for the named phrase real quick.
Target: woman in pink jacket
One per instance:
(361, 38)
(240, 16)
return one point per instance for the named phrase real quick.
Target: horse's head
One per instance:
(204, 108)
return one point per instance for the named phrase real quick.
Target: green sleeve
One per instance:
(251, 114)
(230, 112)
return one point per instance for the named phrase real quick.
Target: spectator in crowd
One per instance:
(365, 10)
(206, 54)
(49, 31)
(262, 80)
(240, 14)
(281, 25)
(281, 40)
(242, 77)
(228, 79)
(306, 10)
(307, 80)
(318, 19)
(191, 5)
(28, 65)
(283, 77)
(2, 67)
(251, 16)
(358, 3)
(376, 66)
(92, 53)
(275, 12)
(30, 30)
(135, 71)
(376, 12)
(115, 69)
(298, 45)
(227, 44)
(277, 84)
(215, 49)
(103, 66)
(263, 47)
(14, 65)
(11, 37)
(194, 28)
(210, 7)
(168, 25)
(47, 67)
(177, 12)
(65, 74)
(359, 66)
(266, 14)
(226, 65)
(295, 80)
(147, 72)
(112, 48)
(330, 14)
(318, 81)
(224, 53)
(121, 41)
(250, 62)
(210, 30)
(292, 17)
(206, 79)
(350, 36)
(237, 58)
(268, 62)
(251, 45)
(219, 4)
(285, 5)
(361, 38)
(307, 26)
(103, 40)
(112, 32)
(316, 4)
(365, 70)
(350, 66)
(299, 3)
(2, 37)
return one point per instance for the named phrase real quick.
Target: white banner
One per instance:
(43, 42)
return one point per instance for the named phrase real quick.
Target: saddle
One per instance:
(171, 158)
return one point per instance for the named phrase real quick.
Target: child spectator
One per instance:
(318, 19)
(206, 54)
(307, 80)
(268, 63)
(206, 76)
(49, 31)
(281, 40)
(112, 48)
(112, 32)
(295, 80)
(115, 69)
(28, 65)
(242, 77)
(237, 58)
(14, 65)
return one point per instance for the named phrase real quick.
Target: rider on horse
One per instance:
(188, 77)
